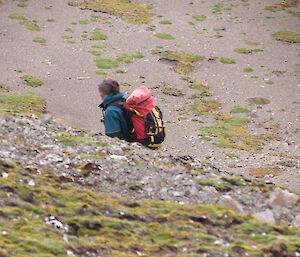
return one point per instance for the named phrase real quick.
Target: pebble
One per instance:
(266, 216)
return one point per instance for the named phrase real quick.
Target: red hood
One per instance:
(141, 100)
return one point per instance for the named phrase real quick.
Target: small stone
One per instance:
(231, 204)
(280, 197)
(4, 174)
(266, 216)
(296, 221)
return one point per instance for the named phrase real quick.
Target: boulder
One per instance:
(282, 198)
(296, 221)
(265, 216)
(232, 204)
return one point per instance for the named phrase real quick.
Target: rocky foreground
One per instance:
(65, 191)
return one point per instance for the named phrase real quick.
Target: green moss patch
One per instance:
(165, 36)
(109, 226)
(226, 60)
(262, 172)
(22, 104)
(165, 22)
(98, 35)
(200, 17)
(70, 140)
(22, 5)
(294, 13)
(204, 90)
(129, 11)
(258, 101)
(171, 91)
(28, 24)
(239, 109)
(17, 16)
(287, 36)
(40, 40)
(32, 81)
(201, 107)
(282, 6)
(96, 52)
(101, 72)
(248, 70)
(185, 62)
(4, 87)
(253, 43)
(247, 51)
(229, 132)
(104, 63)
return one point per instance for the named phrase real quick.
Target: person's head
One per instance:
(108, 86)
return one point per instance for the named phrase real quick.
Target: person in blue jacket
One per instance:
(113, 117)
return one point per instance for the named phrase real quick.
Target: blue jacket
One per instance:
(114, 121)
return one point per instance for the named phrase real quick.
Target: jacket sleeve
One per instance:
(112, 122)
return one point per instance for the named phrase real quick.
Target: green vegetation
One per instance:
(253, 43)
(294, 13)
(201, 107)
(287, 36)
(101, 223)
(229, 132)
(262, 172)
(203, 89)
(40, 40)
(165, 36)
(32, 81)
(22, 5)
(248, 70)
(31, 25)
(239, 109)
(100, 46)
(98, 35)
(269, 82)
(4, 87)
(171, 91)
(185, 62)
(247, 51)
(96, 52)
(103, 63)
(126, 84)
(70, 140)
(66, 37)
(232, 155)
(199, 17)
(51, 20)
(220, 29)
(165, 22)
(22, 104)
(101, 72)
(120, 72)
(69, 30)
(226, 60)
(129, 11)
(258, 101)
(282, 5)
(84, 22)
(17, 16)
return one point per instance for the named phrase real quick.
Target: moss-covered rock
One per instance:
(72, 219)
(32, 81)
(129, 11)
(22, 104)
(287, 36)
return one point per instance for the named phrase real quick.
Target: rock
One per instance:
(265, 216)
(296, 221)
(280, 197)
(231, 203)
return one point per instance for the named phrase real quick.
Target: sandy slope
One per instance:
(70, 79)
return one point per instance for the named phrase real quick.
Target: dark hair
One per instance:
(109, 86)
